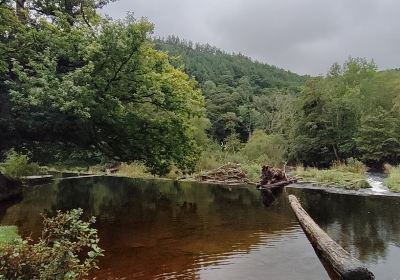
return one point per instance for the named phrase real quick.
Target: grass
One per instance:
(8, 234)
(393, 179)
(134, 170)
(350, 175)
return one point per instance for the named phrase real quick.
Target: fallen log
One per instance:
(277, 185)
(344, 265)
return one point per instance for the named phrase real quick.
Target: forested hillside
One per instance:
(240, 93)
(352, 112)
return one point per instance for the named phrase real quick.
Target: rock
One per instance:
(9, 188)
(362, 184)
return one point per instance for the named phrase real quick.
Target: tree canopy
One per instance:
(95, 86)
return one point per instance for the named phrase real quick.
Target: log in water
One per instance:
(342, 263)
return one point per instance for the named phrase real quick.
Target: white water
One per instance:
(377, 183)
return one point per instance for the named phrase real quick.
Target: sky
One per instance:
(303, 36)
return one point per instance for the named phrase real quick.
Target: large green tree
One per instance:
(98, 85)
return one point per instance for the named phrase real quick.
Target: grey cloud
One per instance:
(304, 36)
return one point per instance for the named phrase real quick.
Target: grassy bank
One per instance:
(349, 175)
(8, 234)
(393, 179)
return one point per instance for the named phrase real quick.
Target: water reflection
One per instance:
(269, 196)
(169, 230)
(366, 226)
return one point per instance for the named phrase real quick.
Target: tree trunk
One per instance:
(343, 265)
(20, 10)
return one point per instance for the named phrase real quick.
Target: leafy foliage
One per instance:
(234, 86)
(17, 165)
(95, 85)
(67, 249)
(265, 149)
(349, 113)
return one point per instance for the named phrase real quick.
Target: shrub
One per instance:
(134, 170)
(253, 171)
(393, 179)
(17, 165)
(264, 149)
(67, 249)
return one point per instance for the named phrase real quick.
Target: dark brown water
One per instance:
(169, 230)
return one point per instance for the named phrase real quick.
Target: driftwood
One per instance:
(343, 265)
(274, 177)
(277, 185)
(229, 174)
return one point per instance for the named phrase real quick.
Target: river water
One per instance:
(170, 230)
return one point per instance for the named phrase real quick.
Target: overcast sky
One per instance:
(304, 36)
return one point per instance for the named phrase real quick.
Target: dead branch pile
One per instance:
(274, 177)
(230, 174)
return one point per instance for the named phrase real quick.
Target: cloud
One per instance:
(304, 36)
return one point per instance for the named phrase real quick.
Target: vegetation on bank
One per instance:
(17, 165)
(67, 249)
(8, 235)
(259, 150)
(349, 175)
(393, 179)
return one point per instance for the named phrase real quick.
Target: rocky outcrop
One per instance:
(9, 188)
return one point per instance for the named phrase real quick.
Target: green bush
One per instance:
(17, 165)
(393, 179)
(67, 249)
(264, 149)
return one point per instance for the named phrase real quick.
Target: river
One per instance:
(179, 230)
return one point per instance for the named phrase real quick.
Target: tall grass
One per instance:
(393, 179)
(349, 175)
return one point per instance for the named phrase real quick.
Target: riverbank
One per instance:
(393, 179)
(349, 175)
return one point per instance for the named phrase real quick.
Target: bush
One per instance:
(264, 149)
(393, 179)
(17, 165)
(67, 249)
(134, 170)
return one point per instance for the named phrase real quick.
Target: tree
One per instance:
(378, 139)
(108, 92)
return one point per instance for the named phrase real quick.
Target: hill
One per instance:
(241, 94)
